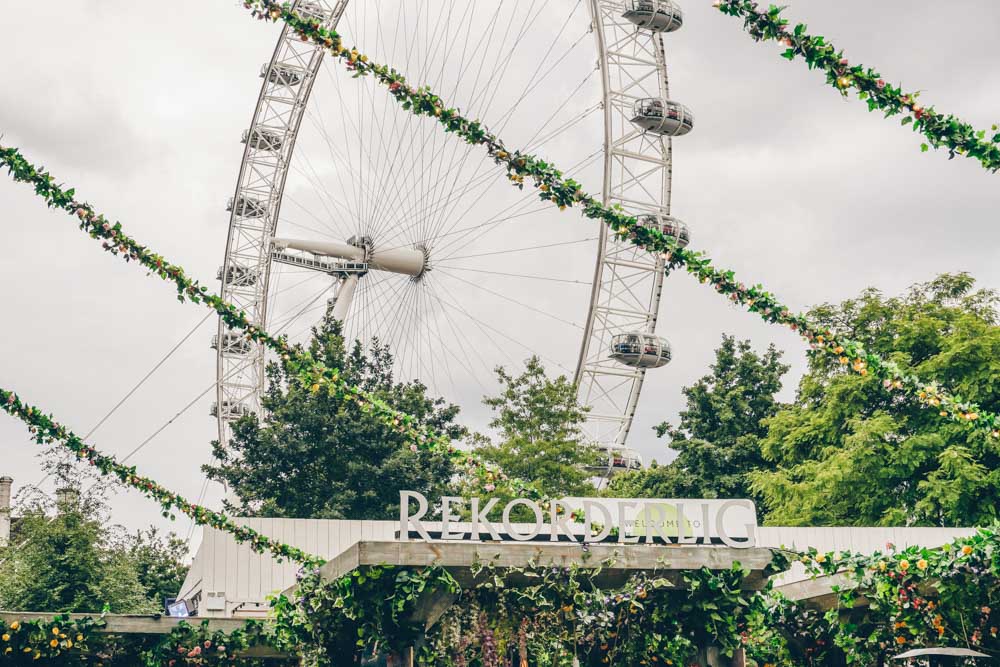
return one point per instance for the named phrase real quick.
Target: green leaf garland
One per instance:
(45, 430)
(948, 131)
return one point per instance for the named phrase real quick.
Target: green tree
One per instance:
(317, 455)
(718, 438)
(159, 560)
(63, 559)
(850, 452)
(538, 419)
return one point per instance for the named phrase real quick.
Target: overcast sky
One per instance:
(140, 106)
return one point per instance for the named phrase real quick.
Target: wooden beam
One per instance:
(818, 593)
(133, 624)
(460, 558)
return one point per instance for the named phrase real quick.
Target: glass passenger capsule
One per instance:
(231, 342)
(230, 410)
(669, 226)
(282, 74)
(664, 117)
(247, 207)
(236, 274)
(656, 15)
(263, 139)
(641, 350)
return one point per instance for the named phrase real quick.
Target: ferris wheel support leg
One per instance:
(345, 295)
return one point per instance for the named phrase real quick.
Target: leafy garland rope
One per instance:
(567, 193)
(45, 430)
(940, 130)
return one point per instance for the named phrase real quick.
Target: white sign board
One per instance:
(629, 520)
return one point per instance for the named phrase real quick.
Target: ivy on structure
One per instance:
(86, 641)
(941, 130)
(549, 616)
(566, 193)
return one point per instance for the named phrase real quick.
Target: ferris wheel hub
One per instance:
(405, 261)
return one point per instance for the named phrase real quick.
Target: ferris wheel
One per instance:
(415, 240)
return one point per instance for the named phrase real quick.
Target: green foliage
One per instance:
(720, 430)
(158, 560)
(851, 452)
(538, 419)
(319, 455)
(941, 130)
(65, 560)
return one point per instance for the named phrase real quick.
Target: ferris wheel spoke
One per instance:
(434, 316)
(498, 73)
(309, 304)
(324, 195)
(537, 83)
(567, 281)
(378, 306)
(475, 181)
(521, 203)
(510, 251)
(487, 327)
(341, 159)
(459, 339)
(568, 124)
(512, 300)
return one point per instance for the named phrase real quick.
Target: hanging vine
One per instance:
(940, 130)
(45, 430)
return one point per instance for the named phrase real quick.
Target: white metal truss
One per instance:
(245, 275)
(637, 169)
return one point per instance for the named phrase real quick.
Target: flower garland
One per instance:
(567, 193)
(85, 641)
(46, 640)
(198, 645)
(916, 597)
(46, 430)
(957, 136)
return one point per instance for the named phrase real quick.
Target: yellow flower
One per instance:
(921, 564)
(966, 550)
(820, 558)
(881, 566)
(55, 631)
(54, 643)
(15, 625)
(5, 637)
(904, 565)
(79, 638)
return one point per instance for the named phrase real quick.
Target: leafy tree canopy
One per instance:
(65, 557)
(848, 452)
(316, 455)
(720, 430)
(538, 419)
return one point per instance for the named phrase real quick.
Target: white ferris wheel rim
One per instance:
(627, 284)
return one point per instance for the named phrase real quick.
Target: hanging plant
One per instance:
(940, 130)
